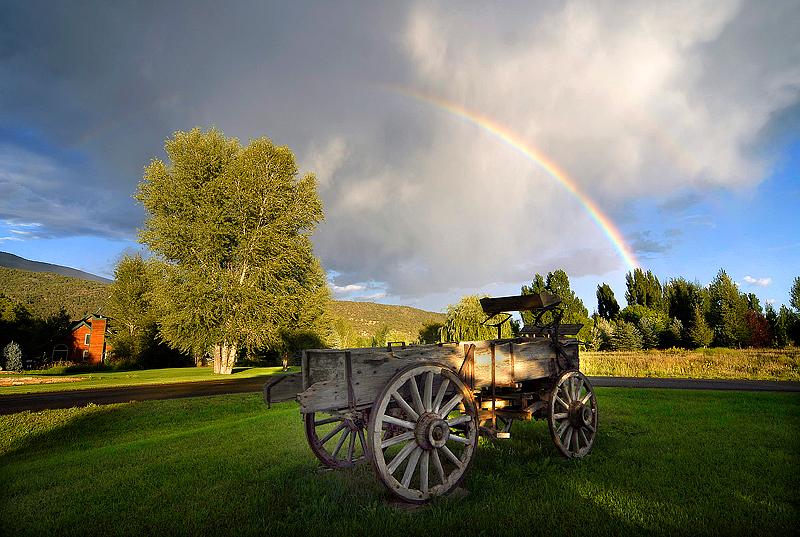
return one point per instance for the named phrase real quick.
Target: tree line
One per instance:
(679, 313)
(682, 313)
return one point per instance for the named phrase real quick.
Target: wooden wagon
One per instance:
(416, 411)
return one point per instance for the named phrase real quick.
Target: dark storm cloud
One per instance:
(631, 99)
(111, 81)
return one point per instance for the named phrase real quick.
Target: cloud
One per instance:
(647, 243)
(646, 99)
(347, 288)
(758, 282)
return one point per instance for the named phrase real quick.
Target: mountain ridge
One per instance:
(13, 261)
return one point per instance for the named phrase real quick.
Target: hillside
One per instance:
(368, 317)
(44, 293)
(12, 261)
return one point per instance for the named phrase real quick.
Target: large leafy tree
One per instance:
(607, 305)
(463, 322)
(794, 294)
(681, 297)
(232, 225)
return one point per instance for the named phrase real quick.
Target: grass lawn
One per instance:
(716, 363)
(668, 462)
(109, 379)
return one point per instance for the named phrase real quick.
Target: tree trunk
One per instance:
(224, 358)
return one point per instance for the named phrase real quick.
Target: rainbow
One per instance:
(515, 141)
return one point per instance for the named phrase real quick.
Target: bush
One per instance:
(12, 357)
(626, 337)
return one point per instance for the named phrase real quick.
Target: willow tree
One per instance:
(232, 225)
(464, 322)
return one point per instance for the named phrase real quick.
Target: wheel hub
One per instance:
(580, 415)
(431, 431)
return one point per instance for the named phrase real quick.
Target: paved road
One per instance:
(10, 404)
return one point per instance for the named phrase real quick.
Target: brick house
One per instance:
(86, 342)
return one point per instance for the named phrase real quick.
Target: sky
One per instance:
(460, 147)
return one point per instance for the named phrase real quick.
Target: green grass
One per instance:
(716, 363)
(667, 462)
(130, 378)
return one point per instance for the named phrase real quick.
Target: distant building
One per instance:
(86, 342)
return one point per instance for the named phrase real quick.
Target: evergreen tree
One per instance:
(626, 337)
(727, 312)
(607, 305)
(231, 225)
(602, 334)
(794, 294)
(650, 331)
(783, 326)
(700, 334)
(753, 304)
(772, 321)
(674, 334)
(12, 357)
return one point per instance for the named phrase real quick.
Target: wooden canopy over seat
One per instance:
(536, 301)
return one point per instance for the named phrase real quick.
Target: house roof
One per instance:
(86, 321)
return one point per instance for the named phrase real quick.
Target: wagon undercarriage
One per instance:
(416, 412)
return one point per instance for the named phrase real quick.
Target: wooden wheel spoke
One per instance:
(397, 439)
(561, 401)
(423, 471)
(562, 428)
(326, 421)
(363, 442)
(401, 456)
(340, 443)
(437, 462)
(590, 427)
(568, 438)
(411, 466)
(351, 448)
(583, 437)
(427, 393)
(332, 433)
(586, 397)
(451, 404)
(460, 439)
(466, 418)
(450, 455)
(412, 382)
(580, 387)
(560, 416)
(397, 421)
(405, 406)
(437, 403)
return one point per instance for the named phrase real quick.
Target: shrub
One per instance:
(12, 356)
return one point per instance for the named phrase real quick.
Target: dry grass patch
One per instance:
(759, 364)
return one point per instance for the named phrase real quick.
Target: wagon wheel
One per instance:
(573, 414)
(440, 432)
(337, 439)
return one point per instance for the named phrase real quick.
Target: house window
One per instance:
(86, 339)
(85, 354)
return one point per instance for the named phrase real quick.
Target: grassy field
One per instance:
(110, 379)
(665, 462)
(761, 364)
